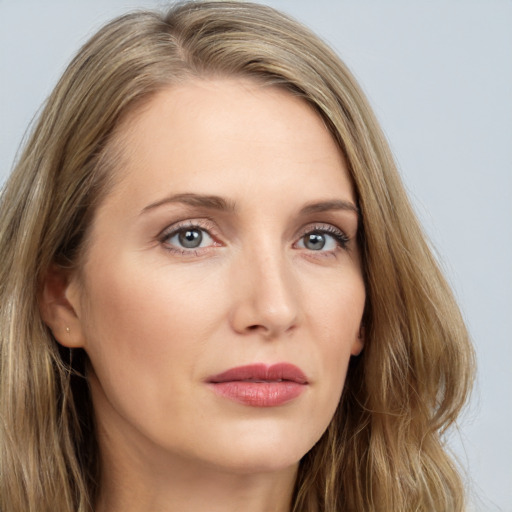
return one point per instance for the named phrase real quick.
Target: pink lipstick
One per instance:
(259, 385)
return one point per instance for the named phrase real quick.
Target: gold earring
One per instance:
(67, 330)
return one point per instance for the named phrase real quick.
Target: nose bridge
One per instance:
(266, 298)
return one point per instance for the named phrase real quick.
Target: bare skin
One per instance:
(229, 239)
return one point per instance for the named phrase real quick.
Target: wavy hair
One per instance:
(384, 449)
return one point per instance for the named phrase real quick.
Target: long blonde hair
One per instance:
(384, 448)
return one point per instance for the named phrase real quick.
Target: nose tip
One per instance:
(266, 301)
(273, 321)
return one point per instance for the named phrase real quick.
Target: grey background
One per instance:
(439, 76)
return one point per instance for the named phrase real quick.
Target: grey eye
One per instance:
(190, 238)
(314, 241)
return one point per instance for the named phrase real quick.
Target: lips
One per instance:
(260, 385)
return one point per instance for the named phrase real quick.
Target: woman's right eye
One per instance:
(190, 238)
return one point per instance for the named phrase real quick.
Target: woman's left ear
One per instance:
(358, 344)
(59, 306)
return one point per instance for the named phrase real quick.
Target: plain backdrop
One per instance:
(439, 76)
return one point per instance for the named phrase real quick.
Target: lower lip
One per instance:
(259, 394)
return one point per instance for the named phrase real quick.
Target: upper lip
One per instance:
(261, 373)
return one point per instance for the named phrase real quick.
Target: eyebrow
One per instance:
(324, 206)
(197, 200)
(221, 204)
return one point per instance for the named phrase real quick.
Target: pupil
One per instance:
(314, 241)
(191, 238)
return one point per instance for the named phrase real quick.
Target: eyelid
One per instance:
(204, 224)
(321, 226)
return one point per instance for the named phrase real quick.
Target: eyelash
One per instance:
(208, 227)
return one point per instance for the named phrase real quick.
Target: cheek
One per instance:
(336, 309)
(139, 321)
(335, 313)
(147, 334)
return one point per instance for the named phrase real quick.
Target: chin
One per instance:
(260, 463)
(262, 451)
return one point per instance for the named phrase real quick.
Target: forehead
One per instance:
(228, 137)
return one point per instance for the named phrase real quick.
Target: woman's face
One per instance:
(222, 293)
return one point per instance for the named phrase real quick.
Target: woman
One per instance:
(215, 294)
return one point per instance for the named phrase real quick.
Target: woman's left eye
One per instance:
(325, 239)
(189, 238)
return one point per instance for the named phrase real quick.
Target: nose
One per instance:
(265, 295)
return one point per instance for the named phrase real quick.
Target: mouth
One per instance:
(259, 385)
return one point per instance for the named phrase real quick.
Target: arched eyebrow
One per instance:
(197, 200)
(330, 205)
